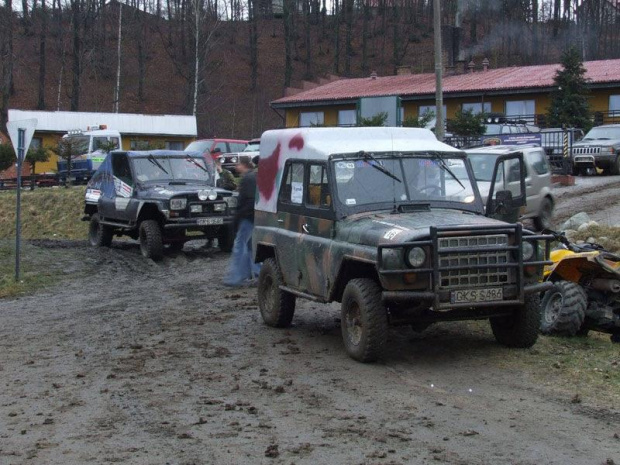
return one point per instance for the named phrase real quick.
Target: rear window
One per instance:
(538, 161)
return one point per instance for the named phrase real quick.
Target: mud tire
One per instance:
(545, 215)
(364, 322)
(151, 241)
(614, 169)
(563, 309)
(277, 307)
(99, 235)
(519, 330)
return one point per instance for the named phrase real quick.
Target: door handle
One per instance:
(305, 228)
(280, 220)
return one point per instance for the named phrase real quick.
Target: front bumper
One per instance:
(185, 223)
(445, 276)
(593, 161)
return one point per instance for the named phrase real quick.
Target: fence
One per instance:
(558, 144)
(39, 180)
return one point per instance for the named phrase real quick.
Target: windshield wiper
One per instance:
(153, 160)
(442, 163)
(187, 157)
(377, 166)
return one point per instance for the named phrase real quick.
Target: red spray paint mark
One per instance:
(297, 142)
(266, 182)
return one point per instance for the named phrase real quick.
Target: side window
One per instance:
(120, 167)
(538, 161)
(236, 147)
(514, 174)
(222, 146)
(319, 195)
(292, 190)
(174, 145)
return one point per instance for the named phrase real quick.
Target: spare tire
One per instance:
(563, 309)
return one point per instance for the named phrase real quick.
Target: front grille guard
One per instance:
(514, 230)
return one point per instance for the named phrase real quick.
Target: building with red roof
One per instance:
(517, 91)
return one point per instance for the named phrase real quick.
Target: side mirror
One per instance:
(504, 205)
(217, 150)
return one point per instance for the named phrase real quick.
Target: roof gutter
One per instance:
(313, 103)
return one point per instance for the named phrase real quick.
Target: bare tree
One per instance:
(42, 56)
(7, 61)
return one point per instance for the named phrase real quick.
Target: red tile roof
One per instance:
(500, 79)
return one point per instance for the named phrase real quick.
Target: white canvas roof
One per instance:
(319, 143)
(125, 123)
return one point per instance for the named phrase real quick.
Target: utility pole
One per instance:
(117, 90)
(439, 129)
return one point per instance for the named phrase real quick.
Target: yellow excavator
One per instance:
(586, 295)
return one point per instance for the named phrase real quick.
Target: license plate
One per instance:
(467, 296)
(210, 221)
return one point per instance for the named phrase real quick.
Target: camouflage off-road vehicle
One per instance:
(157, 197)
(389, 222)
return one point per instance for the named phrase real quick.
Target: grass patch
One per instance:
(35, 272)
(50, 213)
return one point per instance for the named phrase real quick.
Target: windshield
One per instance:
(252, 147)
(200, 146)
(166, 169)
(425, 179)
(79, 143)
(602, 132)
(482, 165)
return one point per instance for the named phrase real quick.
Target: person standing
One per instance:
(242, 269)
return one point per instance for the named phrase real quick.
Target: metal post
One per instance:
(439, 129)
(565, 151)
(21, 135)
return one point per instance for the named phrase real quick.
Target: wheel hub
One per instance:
(353, 323)
(553, 308)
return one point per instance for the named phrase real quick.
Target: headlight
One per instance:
(416, 257)
(219, 207)
(527, 250)
(207, 194)
(178, 204)
(231, 201)
(233, 159)
(195, 208)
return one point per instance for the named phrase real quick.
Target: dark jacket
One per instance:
(226, 180)
(245, 202)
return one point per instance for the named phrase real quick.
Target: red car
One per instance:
(216, 147)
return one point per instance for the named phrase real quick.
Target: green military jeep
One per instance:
(389, 222)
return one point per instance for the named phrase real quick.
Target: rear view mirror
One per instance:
(505, 204)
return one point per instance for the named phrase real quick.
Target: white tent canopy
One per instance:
(125, 123)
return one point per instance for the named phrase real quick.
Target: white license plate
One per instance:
(210, 221)
(467, 296)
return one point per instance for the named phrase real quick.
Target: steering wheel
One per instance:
(430, 188)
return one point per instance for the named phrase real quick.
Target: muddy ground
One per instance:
(129, 361)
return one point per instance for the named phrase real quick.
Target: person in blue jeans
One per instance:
(242, 270)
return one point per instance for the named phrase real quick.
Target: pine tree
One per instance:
(569, 103)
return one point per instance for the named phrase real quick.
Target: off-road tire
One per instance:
(545, 214)
(151, 242)
(99, 235)
(226, 239)
(563, 309)
(520, 329)
(277, 307)
(364, 322)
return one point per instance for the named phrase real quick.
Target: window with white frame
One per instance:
(614, 103)
(520, 107)
(347, 117)
(477, 108)
(423, 109)
(311, 118)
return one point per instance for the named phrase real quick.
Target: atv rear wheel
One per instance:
(277, 307)
(99, 235)
(364, 322)
(151, 242)
(563, 309)
(521, 328)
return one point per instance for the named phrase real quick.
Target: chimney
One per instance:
(485, 64)
(403, 70)
(471, 66)
(373, 75)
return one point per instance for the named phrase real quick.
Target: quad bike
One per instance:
(586, 295)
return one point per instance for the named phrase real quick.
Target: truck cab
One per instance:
(390, 223)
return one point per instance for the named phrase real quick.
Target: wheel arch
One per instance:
(149, 211)
(351, 268)
(264, 251)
